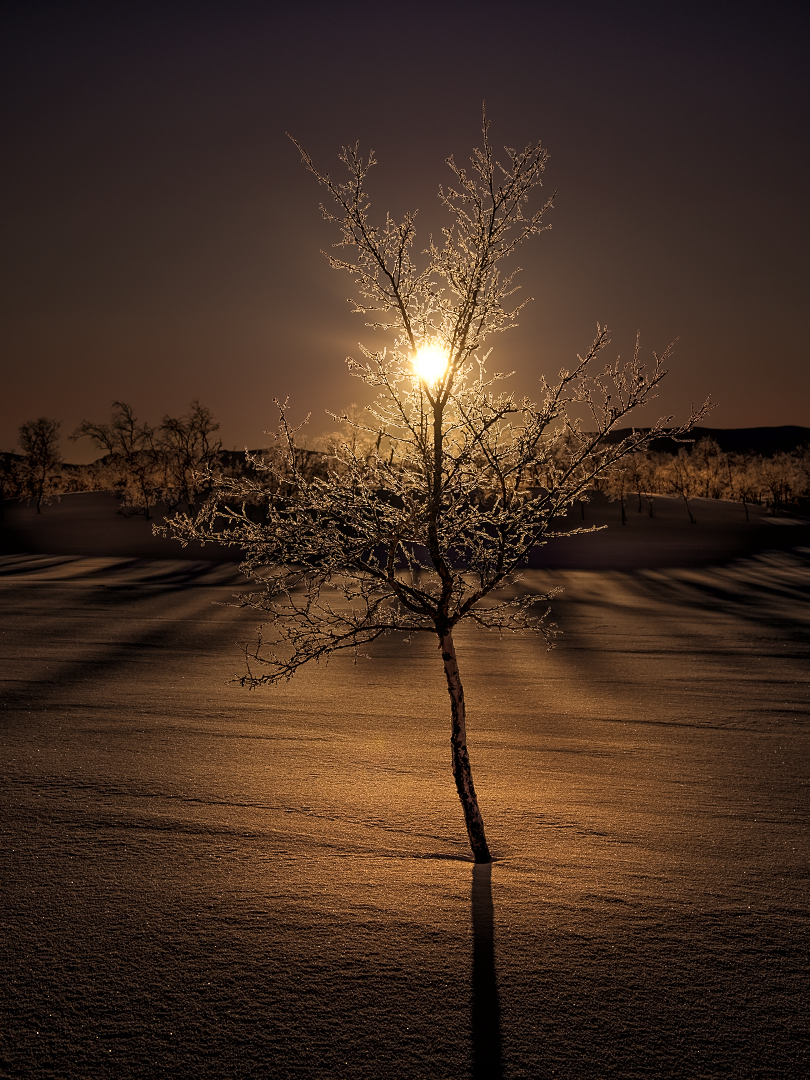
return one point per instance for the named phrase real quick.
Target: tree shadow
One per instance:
(486, 1006)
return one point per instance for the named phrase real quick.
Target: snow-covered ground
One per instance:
(202, 881)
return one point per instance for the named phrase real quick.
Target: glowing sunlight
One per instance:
(430, 362)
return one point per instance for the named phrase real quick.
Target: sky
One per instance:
(161, 239)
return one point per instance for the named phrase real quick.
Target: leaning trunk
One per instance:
(461, 758)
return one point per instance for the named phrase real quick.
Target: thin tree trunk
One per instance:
(462, 773)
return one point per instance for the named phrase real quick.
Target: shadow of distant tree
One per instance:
(770, 590)
(486, 1005)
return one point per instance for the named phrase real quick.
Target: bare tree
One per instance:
(40, 470)
(679, 478)
(134, 453)
(783, 480)
(709, 462)
(617, 486)
(430, 530)
(742, 481)
(640, 472)
(187, 451)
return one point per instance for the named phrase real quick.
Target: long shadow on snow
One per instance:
(102, 659)
(770, 591)
(486, 1005)
(26, 570)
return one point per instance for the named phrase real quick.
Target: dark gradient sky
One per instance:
(161, 238)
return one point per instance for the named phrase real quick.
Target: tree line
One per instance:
(780, 482)
(142, 463)
(174, 462)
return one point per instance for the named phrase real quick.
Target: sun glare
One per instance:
(431, 362)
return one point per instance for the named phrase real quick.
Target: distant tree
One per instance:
(743, 481)
(641, 479)
(134, 466)
(430, 530)
(616, 483)
(784, 480)
(40, 469)
(187, 452)
(679, 477)
(709, 464)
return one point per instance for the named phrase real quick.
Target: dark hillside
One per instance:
(766, 441)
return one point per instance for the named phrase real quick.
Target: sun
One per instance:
(430, 363)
